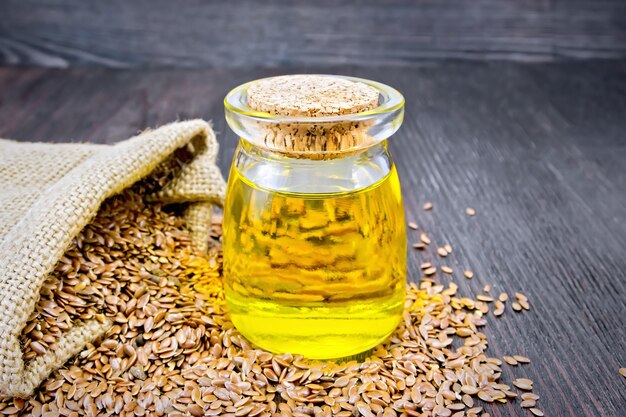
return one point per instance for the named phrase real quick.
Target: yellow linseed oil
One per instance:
(319, 274)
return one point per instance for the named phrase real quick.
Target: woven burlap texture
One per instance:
(49, 192)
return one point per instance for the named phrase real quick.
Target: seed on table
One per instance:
(536, 412)
(510, 360)
(424, 238)
(487, 288)
(520, 296)
(523, 383)
(503, 297)
(485, 396)
(364, 409)
(499, 310)
(528, 403)
(448, 248)
(622, 372)
(524, 304)
(530, 396)
(484, 298)
(521, 359)
(470, 211)
(446, 269)
(468, 389)
(413, 225)
(428, 206)
(468, 274)
(516, 307)
(430, 271)
(456, 406)
(442, 252)
(342, 381)
(425, 265)
(440, 410)
(419, 245)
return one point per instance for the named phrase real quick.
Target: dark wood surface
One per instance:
(274, 33)
(538, 150)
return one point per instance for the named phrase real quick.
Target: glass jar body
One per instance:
(314, 250)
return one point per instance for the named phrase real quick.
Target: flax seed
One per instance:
(510, 360)
(173, 350)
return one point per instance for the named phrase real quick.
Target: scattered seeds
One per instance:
(428, 206)
(468, 274)
(174, 351)
(413, 225)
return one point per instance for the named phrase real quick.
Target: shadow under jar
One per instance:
(314, 233)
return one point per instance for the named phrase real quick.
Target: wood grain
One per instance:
(538, 150)
(245, 33)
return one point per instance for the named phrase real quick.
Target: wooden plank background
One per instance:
(538, 150)
(280, 33)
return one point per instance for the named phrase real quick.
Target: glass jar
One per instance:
(314, 238)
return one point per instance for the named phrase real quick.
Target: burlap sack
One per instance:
(49, 192)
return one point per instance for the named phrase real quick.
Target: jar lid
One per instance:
(311, 96)
(314, 116)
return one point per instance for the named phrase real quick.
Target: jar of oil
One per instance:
(314, 239)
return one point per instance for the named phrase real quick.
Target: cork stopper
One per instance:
(311, 96)
(314, 96)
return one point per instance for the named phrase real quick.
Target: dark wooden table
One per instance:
(539, 150)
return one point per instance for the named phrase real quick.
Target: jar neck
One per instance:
(322, 155)
(346, 172)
